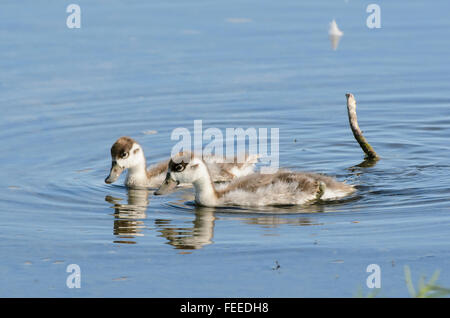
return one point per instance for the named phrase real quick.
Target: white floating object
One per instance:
(150, 132)
(190, 32)
(334, 34)
(238, 20)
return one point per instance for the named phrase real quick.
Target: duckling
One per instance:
(126, 153)
(280, 188)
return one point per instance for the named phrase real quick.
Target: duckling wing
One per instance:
(281, 188)
(156, 173)
(226, 171)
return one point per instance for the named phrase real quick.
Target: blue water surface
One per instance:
(144, 68)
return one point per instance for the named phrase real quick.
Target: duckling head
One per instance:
(126, 153)
(183, 168)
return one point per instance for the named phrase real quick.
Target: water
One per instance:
(68, 94)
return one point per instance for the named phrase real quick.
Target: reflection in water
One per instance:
(127, 217)
(366, 163)
(193, 237)
(195, 234)
(274, 221)
(200, 231)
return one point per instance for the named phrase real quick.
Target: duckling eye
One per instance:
(124, 155)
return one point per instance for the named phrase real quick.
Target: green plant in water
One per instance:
(425, 290)
(372, 294)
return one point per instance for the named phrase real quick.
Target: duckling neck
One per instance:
(205, 193)
(137, 175)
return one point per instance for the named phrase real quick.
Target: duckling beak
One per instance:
(168, 185)
(115, 173)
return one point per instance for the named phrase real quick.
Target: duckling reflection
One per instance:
(127, 217)
(275, 221)
(200, 231)
(193, 237)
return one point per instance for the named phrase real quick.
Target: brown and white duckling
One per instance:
(280, 188)
(126, 153)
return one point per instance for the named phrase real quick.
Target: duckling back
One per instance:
(282, 188)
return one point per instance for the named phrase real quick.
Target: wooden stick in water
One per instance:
(353, 119)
